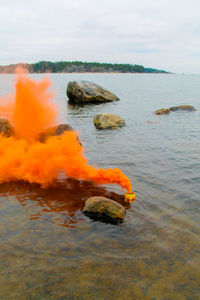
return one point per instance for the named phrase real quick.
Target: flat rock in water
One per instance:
(6, 128)
(183, 107)
(108, 121)
(166, 111)
(105, 209)
(88, 92)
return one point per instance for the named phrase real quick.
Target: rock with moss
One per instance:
(182, 107)
(105, 209)
(108, 121)
(88, 92)
(6, 128)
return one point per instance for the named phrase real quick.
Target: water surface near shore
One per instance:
(50, 250)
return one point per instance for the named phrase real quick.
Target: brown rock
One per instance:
(108, 121)
(166, 111)
(163, 111)
(183, 107)
(55, 131)
(6, 128)
(101, 208)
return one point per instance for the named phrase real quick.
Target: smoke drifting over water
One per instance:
(24, 157)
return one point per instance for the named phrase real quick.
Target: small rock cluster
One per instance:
(86, 92)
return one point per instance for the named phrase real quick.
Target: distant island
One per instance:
(78, 67)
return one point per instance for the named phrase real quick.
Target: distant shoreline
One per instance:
(79, 67)
(136, 73)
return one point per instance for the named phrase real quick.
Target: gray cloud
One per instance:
(162, 34)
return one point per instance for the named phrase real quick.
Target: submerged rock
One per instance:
(108, 121)
(105, 209)
(6, 128)
(88, 92)
(183, 107)
(55, 131)
(163, 111)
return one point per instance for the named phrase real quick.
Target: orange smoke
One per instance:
(30, 110)
(23, 157)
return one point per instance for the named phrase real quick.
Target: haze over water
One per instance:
(50, 250)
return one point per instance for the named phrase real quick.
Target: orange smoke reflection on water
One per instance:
(60, 203)
(82, 258)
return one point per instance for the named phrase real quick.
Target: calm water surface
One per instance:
(50, 250)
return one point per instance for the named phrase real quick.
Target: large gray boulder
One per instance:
(88, 92)
(101, 208)
(6, 128)
(108, 121)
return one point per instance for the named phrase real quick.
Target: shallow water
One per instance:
(50, 250)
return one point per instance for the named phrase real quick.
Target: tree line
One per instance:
(78, 67)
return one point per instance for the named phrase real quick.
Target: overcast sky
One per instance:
(164, 34)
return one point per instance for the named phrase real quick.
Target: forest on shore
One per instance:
(78, 67)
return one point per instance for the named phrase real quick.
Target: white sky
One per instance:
(163, 34)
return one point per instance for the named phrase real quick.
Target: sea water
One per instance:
(50, 250)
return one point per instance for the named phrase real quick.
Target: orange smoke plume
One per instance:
(30, 110)
(23, 157)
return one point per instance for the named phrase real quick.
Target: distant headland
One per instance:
(78, 67)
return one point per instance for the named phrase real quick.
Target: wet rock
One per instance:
(183, 107)
(88, 92)
(166, 111)
(55, 131)
(6, 128)
(105, 209)
(108, 121)
(163, 111)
